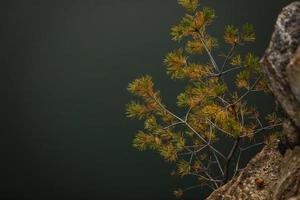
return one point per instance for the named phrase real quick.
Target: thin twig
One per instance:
(219, 164)
(174, 124)
(237, 163)
(212, 60)
(228, 57)
(251, 146)
(262, 129)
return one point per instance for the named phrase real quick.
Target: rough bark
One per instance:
(275, 172)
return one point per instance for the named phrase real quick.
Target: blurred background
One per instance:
(65, 66)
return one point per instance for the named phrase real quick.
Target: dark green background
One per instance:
(65, 66)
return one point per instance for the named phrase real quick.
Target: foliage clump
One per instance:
(214, 107)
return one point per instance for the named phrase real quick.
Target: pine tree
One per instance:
(213, 109)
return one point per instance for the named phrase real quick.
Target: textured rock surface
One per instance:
(282, 64)
(288, 183)
(278, 175)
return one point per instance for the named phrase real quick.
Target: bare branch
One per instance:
(212, 60)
